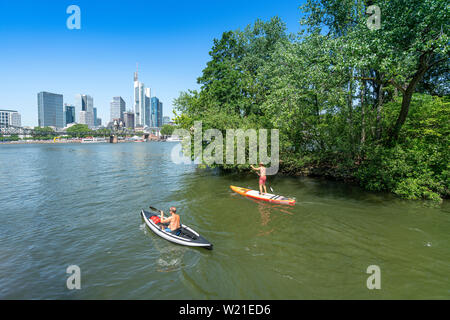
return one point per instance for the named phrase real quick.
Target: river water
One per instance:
(79, 204)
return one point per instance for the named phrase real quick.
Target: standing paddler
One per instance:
(262, 177)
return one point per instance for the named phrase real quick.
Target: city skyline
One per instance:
(151, 108)
(51, 104)
(171, 49)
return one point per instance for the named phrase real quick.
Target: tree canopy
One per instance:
(351, 102)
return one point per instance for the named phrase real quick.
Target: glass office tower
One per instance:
(147, 108)
(85, 103)
(160, 114)
(118, 107)
(154, 112)
(50, 109)
(69, 113)
(139, 101)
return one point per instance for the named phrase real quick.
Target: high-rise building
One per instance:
(50, 109)
(86, 104)
(157, 113)
(160, 115)
(10, 118)
(87, 118)
(16, 119)
(154, 112)
(139, 101)
(95, 117)
(128, 119)
(69, 114)
(118, 107)
(147, 107)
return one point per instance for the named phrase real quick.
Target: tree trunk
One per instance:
(350, 109)
(363, 114)
(407, 97)
(379, 111)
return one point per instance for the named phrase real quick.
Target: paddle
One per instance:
(154, 209)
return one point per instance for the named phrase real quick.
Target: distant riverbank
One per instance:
(56, 142)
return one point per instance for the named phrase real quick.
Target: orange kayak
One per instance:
(265, 197)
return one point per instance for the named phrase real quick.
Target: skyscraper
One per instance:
(128, 119)
(139, 101)
(86, 104)
(87, 118)
(157, 113)
(95, 117)
(154, 112)
(147, 107)
(160, 114)
(50, 109)
(118, 107)
(69, 114)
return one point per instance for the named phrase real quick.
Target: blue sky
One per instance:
(169, 39)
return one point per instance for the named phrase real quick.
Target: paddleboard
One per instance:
(273, 198)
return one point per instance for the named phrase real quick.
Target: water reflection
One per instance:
(170, 257)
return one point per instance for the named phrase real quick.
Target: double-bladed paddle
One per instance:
(154, 209)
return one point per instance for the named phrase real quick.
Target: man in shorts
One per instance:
(262, 177)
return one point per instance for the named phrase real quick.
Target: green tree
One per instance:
(167, 130)
(344, 97)
(79, 130)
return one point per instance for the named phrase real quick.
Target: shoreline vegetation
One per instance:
(351, 103)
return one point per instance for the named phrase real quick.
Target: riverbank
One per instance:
(64, 142)
(379, 176)
(369, 175)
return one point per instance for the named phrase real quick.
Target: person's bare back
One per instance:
(173, 220)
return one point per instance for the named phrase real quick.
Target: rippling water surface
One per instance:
(79, 205)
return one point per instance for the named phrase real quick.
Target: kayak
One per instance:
(273, 198)
(184, 236)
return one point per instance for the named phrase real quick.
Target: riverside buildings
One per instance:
(157, 116)
(118, 107)
(139, 101)
(10, 118)
(69, 114)
(50, 109)
(147, 109)
(86, 104)
(128, 119)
